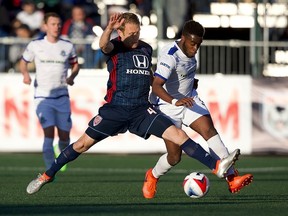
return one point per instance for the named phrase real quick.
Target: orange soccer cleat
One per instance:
(150, 185)
(237, 182)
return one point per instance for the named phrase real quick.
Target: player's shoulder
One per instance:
(169, 49)
(37, 40)
(168, 52)
(65, 41)
(146, 46)
(167, 56)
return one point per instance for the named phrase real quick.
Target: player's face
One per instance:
(53, 27)
(191, 44)
(130, 35)
(78, 14)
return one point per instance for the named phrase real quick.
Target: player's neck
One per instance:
(52, 39)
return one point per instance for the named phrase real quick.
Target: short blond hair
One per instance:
(129, 18)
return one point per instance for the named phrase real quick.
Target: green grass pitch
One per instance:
(97, 184)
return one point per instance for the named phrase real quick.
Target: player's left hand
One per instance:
(70, 81)
(195, 84)
(187, 102)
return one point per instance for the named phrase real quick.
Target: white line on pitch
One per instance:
(129, 170)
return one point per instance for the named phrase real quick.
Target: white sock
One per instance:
(48, 152)
(162, 166)
(218, 150)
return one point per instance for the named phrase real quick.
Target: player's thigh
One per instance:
(63, 121)
(45, 113)
(175, 114)
(63, 113)
(191, 114)
(149, 121)
(204, 126)
(110, 121)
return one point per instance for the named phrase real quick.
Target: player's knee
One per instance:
(173, 159)
(209, 132)
(181, 136)
(64, 136)
(175, 135)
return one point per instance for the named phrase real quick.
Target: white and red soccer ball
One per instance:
(196, 185)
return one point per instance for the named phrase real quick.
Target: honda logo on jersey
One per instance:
(141, 61)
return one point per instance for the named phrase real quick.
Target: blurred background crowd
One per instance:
(244, 39)
(84, 20)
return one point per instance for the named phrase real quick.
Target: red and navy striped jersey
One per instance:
(130, 74)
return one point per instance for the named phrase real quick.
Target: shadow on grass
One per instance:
(150, 207)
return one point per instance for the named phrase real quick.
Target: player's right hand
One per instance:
(27, 80)
(115, 21)
(187, 102)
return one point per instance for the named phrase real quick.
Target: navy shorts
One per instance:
(141, 120)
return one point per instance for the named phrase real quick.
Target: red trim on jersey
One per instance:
(113, 79)
(73, 60)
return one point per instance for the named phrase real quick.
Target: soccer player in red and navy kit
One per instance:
(128, 107)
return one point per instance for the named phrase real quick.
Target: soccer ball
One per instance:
(196, 185)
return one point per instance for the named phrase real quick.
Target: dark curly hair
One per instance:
(193, 27)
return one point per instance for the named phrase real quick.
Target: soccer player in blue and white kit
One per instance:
(53, 57)
(128, 107)
(175, 95)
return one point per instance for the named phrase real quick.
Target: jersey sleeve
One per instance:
(165, 66)
(28, 54)
(73, 56)
(118, 47)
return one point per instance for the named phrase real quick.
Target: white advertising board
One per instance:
(227, 97)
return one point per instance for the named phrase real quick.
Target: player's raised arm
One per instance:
(114, 23)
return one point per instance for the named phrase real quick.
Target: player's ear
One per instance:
(120, 33)
(44, 27)
(183, 38)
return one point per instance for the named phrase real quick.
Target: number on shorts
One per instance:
(151, 111)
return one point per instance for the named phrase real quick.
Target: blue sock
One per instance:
(48, 153)
(63, 144)
(67, 155)
(194, 150)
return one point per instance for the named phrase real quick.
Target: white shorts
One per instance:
(184, 115)
(54, 112)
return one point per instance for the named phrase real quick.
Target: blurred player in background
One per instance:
(52, 57)
(79, 27)
(176, 97)
(128, 107)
